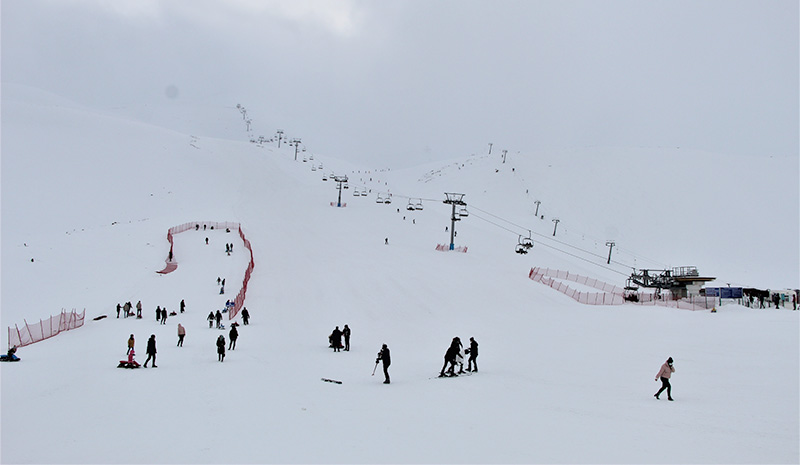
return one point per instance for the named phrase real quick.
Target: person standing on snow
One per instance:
(473, 355)
(346, 334)
(385, 356)
(183, 306)
(158, 313)
(151, 351)
(164, 316)
(218, 317)
(181, 334)
(221, 348)
(210, 319)
(450, 357)
(336, 339)
(664, 374)
(234, 335)
(139, 309)
(119, 309)
(245, 316)
(131, 343)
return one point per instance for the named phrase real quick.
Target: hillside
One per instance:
(89, 196)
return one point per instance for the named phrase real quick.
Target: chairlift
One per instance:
(346, 186)
(305, 159)
(388, 200)
(364, 192)
(418, 205)
(324, 178)
(526, 242)
(311, 157)
(410, 206)
(521, 249)
(313, 168)
(356, 193)
(379, 199)
(463, 211)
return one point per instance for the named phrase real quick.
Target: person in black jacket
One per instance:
(336, 339)
(234, 334)
(218, 317)
(245, 316)
(346, 334)
(221, 348)
(151, 351)
(473, 355)
(385, 356)
(450, 357)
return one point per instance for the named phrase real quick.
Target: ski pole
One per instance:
(376, 367)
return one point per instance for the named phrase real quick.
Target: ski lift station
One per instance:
(682, 281)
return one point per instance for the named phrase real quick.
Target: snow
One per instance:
(90, 194)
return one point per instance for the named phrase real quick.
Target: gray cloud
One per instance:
(405, 82)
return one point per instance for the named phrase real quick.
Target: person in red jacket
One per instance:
(664, 373)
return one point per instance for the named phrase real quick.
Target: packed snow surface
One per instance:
(88, 197)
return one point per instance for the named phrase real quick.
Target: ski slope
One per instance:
(89, 195)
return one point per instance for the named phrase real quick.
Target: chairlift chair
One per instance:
(379, 199)
(463, 212)
(324, 178)
(526, 242)
(410, 206)
(313, 168)
(521, 249)
(418, 205)
(356, 193)
(364, 192)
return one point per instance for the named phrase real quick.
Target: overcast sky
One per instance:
(404, 82)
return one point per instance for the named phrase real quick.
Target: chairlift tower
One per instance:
(296, 143)
(341, 180)
(556, 221)
(454, 199)
(610, 245)
(280, 137)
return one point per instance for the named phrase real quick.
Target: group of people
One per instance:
(127, 309)
(151, 353)
(455, 356)
(234, 335)
(335, 339)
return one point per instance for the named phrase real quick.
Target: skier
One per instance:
(181, 334)
(221, 348)
(473, 355)
(450, 357)
(664, 373)
(218, 317)
(245, 316)
(336, 339)
(234, 335)
(210, 319)
(346, 334)
(385, 357)
(131, 343)
(151, 351)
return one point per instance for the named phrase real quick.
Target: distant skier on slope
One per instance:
(385, 356)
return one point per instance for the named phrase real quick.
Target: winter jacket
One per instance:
(234, 334)
(220, 345)
(181, 330)
(666, 371)
(386, 357)
(473, 348)
(131, 342)
(450, 355)
(151, 346)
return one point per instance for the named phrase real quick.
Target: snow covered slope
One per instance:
(90, 195)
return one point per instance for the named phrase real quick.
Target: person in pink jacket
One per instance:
(664, 373)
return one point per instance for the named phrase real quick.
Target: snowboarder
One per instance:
(181, 334)
(221, 348)
(336, 339)
(245, 316)
(385, 357)
(151, 351)
(473, 355)
(218, 317)
(210, 319)
(183, 306)
(234, 335)
(664, 373)
(346, 334)
(131, 343)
